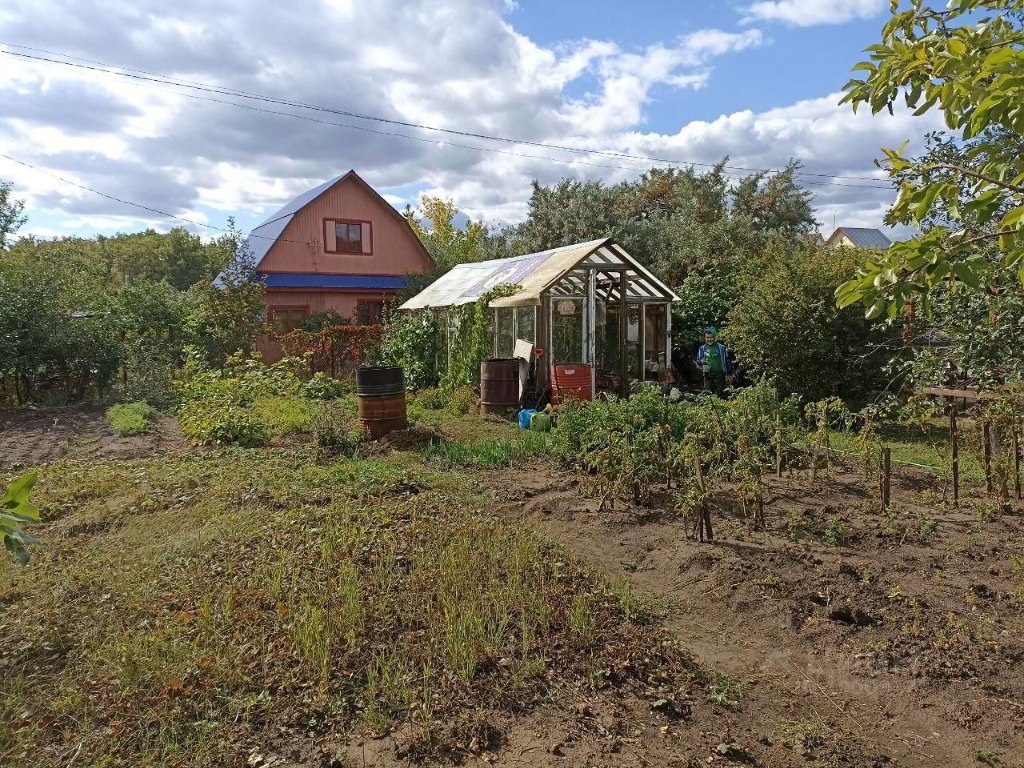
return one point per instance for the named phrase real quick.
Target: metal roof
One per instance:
(320, 280)
(863, 237)
(560, 271)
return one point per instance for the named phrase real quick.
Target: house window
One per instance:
(286, 319)
(345, 236)
(370, 312)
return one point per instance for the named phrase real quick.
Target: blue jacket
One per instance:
(726, 362)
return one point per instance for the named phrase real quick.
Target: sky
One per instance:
(685, 81)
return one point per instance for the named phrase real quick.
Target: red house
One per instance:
(339, 246)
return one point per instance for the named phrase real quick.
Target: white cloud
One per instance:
(458, 64)
(809, 13)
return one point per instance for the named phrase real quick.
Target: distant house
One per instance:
(858, 237)
(339, 246)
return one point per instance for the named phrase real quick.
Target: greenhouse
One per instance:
(589, 305)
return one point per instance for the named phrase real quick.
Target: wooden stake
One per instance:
(987, 452)
(778, 446)
(704, 514)
(886, 475)
(1016, 458)
(954, 454)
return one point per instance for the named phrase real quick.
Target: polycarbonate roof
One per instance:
(562, 271)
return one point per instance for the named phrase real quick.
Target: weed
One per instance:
(334, 432)
(926, 526)
(724, 690)
(794, 526)
(284, 414)
(129, 419)
(581, 618)
(837, 531)
(804, 737)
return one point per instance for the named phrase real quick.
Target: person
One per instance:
(713, 361)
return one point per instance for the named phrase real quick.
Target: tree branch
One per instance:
(980, 176)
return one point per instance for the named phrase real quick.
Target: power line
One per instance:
(157, 211)
(164, 80)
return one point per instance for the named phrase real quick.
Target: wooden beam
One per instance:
(623, 334)
(964, 394)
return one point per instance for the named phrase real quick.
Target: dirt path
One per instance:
(29, 438)
(900, 641)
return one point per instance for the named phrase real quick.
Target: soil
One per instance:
(30, 438)
(861, 639)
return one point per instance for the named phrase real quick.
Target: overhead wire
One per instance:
(133, 204)
(165, 80)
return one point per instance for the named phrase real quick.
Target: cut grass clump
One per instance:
(226, 595)
(503, 452)
(128, 419)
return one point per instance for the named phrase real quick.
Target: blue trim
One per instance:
(314, 280)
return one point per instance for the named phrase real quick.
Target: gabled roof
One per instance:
(862, 237)
(259, 242)
(536, 273)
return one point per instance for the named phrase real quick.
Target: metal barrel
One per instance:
(499, 385)
(380, 380)
(381, 415)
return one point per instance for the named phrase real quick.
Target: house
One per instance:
(339, 246)
(858, 237)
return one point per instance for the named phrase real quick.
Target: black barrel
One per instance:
(499, 385)
(379, 381)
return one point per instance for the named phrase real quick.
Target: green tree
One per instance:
(12, 214)
(786, 327)
(966, 60)
(446, 243)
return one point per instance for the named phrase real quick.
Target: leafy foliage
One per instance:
(129, 419)
(18, 510)
(470, 339)
(334, 349)
(12, 214)
(965, 61)
(411, 341)
(786, 327)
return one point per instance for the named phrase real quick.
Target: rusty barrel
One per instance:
(499, 385)
(380, 393)
(571, 381)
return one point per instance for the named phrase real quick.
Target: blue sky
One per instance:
(757, 80)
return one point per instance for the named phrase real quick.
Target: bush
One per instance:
(786, 328)
(334, 431)
(462, 400)
(129, 418)
(411, 342)
(284, 415)
(212, 423)
(323, 387)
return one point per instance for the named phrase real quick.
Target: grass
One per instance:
(504, 452)
(927, 451)
(128, 419)
(178, 610)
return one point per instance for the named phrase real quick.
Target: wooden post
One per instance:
(954, 454)
(987, 452)
(778, 446)
(1016, 458)
(886, 475)
(624, 330)
(703, 513)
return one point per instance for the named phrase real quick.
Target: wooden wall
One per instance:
(300, 248)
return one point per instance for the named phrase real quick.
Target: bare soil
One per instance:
(899, 644)
(30, 438)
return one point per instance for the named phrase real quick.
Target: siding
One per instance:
(301, 247)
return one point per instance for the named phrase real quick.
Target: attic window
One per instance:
(343, 236)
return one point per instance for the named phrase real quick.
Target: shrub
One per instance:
(786, 328)
(211, 423)
(411, 342)
(334, 431)
(129, 418)
(429, 399)
(284, 415)
(462, 400)
(323, 387)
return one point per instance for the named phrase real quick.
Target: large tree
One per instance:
(12, 214)
(966, 191)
